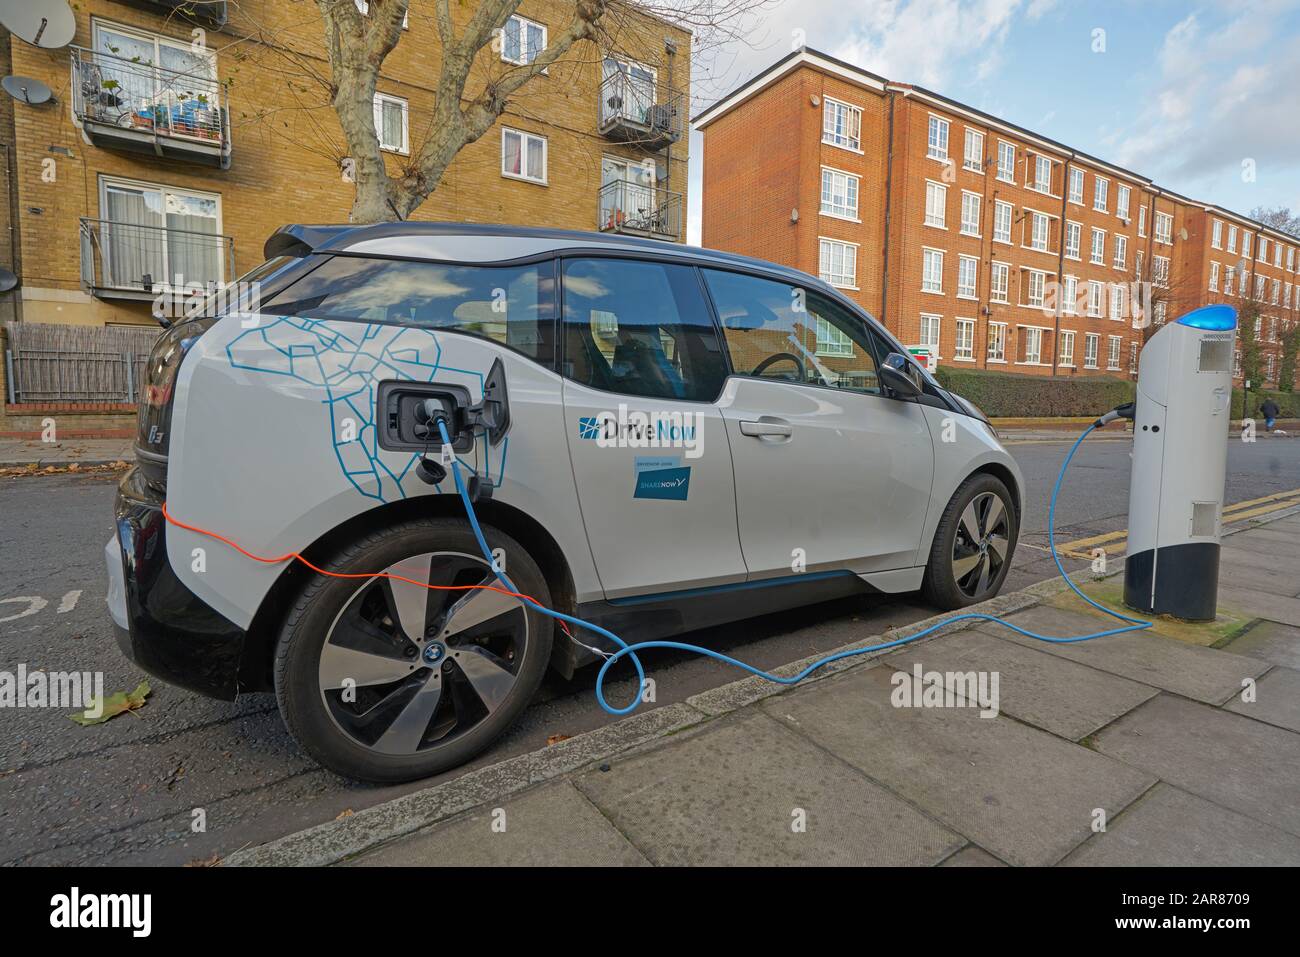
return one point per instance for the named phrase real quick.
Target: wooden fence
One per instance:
(45, 362)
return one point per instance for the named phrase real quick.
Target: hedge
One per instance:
(1287, 402)
(1001, 394)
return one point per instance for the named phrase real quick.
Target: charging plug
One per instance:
(1126, 411)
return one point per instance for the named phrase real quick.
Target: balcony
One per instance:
(133, 261)
(127, 105)
(638, 210)
(208, 13)
(633, 110)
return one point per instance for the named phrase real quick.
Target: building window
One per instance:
(1214, 277)
(842, 125)
(1262, 254)
(1290, 259)
(1277, 255)
(1160, 270)
(1070, 295)
(936, 203)
(999, 282)
(1122, 194)
(938, 139)
(1099, 190)
(1098, 254)
(970, 213)
(973, 152)
(1042, 174)
(1232, 239)
(171, 235)
(1142, 221)
(392, 124)
(1038, 232)
(1228, 277)
(1121, 251)
(1031, 342)
(931, 270)
(1076, 186)
(1006, 162)
(930, 332)
(1073, 236)
(1001, 221)
(523, 155)
(522, 40)
(1037, 287)
(1094, 298)
(1090, 341)
(1133, 358)
(965, 342)
(967, 270)
(839, 263)
(1277, 291)
(1286, 295)
(1164, 228)
(997, 350)
(1113, 345)
(1117, 302)
(831, 339)
(1216, 234)
(1066, 357)
(839, 194)
(1245, 243)
(1236, 364)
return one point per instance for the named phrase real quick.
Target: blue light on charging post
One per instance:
(1218, 318)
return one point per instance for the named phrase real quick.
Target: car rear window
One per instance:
(512, 305)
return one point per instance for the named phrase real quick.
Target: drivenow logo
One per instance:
(76, 910)
(634, 429)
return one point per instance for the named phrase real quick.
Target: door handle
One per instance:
(766, 428)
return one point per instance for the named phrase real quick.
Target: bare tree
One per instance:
(1279, 217)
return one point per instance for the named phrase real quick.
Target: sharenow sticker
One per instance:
(662, 477)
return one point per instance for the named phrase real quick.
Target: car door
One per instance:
(830, 472)
(643, 367)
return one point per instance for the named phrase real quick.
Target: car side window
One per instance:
(512, 305)
(775, 330)
(640, 328)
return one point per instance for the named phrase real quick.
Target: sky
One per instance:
(1204, 98)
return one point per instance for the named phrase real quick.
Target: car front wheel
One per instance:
(382, 679)
(973, 544)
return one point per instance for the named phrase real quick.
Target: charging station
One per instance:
(1180, 457)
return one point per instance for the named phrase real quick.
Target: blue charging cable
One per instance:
(630, 651)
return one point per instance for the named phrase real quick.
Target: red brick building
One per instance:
(987, 243)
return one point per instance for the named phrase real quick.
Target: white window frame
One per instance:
(1214, 276)
(1261, 250)
(1121, 252)
(1245, 244)
(1065, 349)
(977, 166)
(1097, 247)
(852, 121)
(1165, 235)
(1034, 356)
(1039, 219)
(963, 349)
(1114, 346)
(963, 263)
(1122, 194)
(1000, 207)
(852, 215)
(970, 226)
(1100, 193)
(1115, 301)
(1216, 234)
(164, 283)
(1039, 186)
(928, 255)
(524, 137)
(1073, 240)
(1069, 294)
(996, 347)
(1094, 299)
(1006, 173)
(936, 146)
(937, 218)
(847, 279)
(524, 24)
(1142, 221)
(1035, 288)
(404, 148)
(924, 340)
(1091, 348)
(1076, 178)
(999, 291)
(1232, 238)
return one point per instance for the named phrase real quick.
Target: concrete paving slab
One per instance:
(1050, 692)
(1263, 604)
(1235, 762)
(972, 856)
(1269, 641)
(1168, 827)
(1204, 674)
(550, 826)
(1250, 546)
(1023, 794)
(1273, 574)
(1273, 532)
(1277, 700)
(729, 794)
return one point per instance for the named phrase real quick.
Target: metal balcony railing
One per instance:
(134, 261)
(126, 104)
(633, 109)
(640, 210)
(209, 12)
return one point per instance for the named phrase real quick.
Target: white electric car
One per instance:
(662, 438)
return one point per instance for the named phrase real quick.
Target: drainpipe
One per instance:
(889, 184)
(1060, 266)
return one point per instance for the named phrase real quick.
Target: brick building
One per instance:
(990, 245)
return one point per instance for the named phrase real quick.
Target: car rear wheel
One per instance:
(382, 679)
(973, 544)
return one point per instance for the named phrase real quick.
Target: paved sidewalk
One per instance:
(1150, 733)
(18, 453)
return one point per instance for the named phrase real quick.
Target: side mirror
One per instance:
(896, 374)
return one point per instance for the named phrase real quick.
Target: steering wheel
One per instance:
(778, 357)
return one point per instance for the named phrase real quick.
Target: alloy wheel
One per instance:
(981, 544)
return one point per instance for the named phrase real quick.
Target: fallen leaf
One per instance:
(347, 812)
(213, 861)
(557, 738)
(114, 705)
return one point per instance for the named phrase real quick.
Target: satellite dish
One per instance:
(26, 90)
(43, 23)
(7, 280)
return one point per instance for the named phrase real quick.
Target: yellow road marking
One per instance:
(1115, 542)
